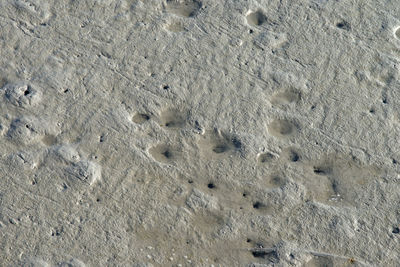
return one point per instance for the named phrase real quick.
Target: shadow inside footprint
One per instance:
(173, 119)
(163, 153)
(140, 118)
(256, 18)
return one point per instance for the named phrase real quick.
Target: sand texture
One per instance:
(199, 133)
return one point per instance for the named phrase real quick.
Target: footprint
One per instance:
(175, 27)
(285, 98)
(184, 8)
(265, 157)
(49, 140)
(339, 179)
(163, 153)
(22, 94)
(173, 119)
(290, 154)
(274, 181)
(25, 130)
(256, 18)
(282, 128)
(140, 118)
(215, 144)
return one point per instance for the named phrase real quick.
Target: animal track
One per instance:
(282, 128)
(216, 144)
(49, 139)
(25, 130)
(339, 179)
(256, 18)
(290, 154)
(275, 180)
(265, 157)
(285, 97)
(175, 27)
(22, 94)
(140, 118)
(184, 8)
(173, 119)
(163, 153)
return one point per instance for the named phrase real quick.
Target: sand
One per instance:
(199, 133)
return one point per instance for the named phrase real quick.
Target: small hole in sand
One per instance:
(344, 25)
(322, 170)
(248, 240)
(163, 153)
(190, 181)
(166, 87)
(211, 185)
(167, 154)
(396, 230)
(293, 156)
(257, 205)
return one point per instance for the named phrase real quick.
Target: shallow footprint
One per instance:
(163, 153)
(173, 119)
(285, 98)
(175, 27)
(215, 144)
(282, 128)
(265, 157)
(184, 8)
(290, 154)
(256, 18)
(140, 118)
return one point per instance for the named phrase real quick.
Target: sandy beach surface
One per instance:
(199, 133)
